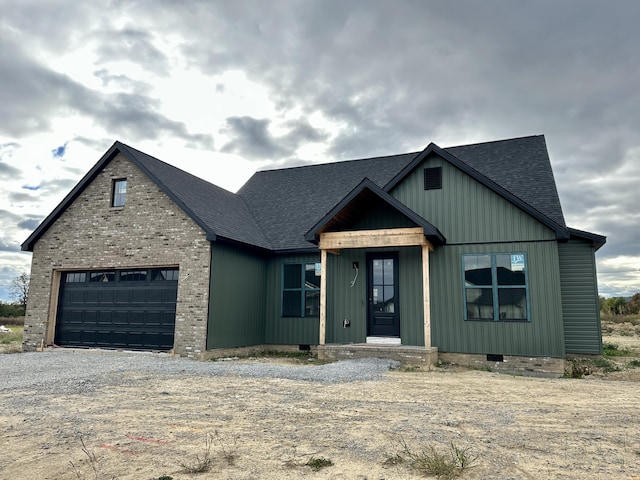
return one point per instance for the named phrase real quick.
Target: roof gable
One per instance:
(218, 212)
(343, 213)
(556, 224)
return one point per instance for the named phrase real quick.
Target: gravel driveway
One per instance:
(72, 371)
(77, 415)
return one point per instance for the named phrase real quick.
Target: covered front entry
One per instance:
(383, 315)
(383, 288)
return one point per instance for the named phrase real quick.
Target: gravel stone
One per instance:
(79, 371)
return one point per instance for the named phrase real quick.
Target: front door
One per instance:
(382, 291)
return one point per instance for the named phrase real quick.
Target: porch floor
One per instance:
(407, 355)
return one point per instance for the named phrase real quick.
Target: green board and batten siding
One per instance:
(237, 298)
(474, 219)
(465, 211)
(281, 330)
(582, 330)
(541, 336)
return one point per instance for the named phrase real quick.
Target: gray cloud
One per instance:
(133, 45)
(394, 75)
(42, 92)
(8, 172)
(30, 224)
(7, 245)
(251, 138)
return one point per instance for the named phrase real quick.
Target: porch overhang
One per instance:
(333, 242)
(389, 237)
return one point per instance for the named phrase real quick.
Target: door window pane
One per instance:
(388, 271)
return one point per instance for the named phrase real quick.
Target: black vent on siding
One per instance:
(495, 358)
(433, 178)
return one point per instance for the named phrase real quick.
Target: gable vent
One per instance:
(433, 178)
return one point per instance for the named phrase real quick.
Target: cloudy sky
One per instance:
(224, 88)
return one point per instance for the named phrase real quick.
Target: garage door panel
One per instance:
(122, 296)
(128, 310)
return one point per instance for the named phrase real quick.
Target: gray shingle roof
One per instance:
(275, 208)
(219, 212)
(286, 203)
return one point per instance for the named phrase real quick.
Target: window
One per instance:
(433, 178)
(102, 276)
(300, 290)
(133, 276)
(78, 277)
(495, 287)
(119, 193)
(165, 275)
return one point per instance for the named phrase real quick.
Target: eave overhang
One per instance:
(596, 240)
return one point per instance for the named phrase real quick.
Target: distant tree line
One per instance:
(620, 305)
(11, 310)
(19, 290)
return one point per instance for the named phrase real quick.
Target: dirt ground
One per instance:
(153, 426)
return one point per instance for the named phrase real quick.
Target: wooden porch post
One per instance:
(426, 296)
(323, 296)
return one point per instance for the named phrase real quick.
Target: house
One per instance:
(457, 253)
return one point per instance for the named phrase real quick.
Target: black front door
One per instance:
(382, 291)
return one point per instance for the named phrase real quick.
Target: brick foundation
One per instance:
(531, 366)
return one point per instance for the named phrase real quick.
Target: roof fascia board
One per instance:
(561, 232)
(428, 228)
(596, 240)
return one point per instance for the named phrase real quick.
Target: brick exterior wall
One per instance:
(149, 231)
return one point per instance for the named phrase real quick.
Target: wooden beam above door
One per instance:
(389, 237)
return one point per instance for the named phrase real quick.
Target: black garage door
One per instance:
(130, 309)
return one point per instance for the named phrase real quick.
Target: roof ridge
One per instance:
(493, 141)
(333, 162)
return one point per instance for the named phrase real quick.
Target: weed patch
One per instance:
(91, 459)
(613, 350)
(318, 463)
(202, 463)
(430, 461)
